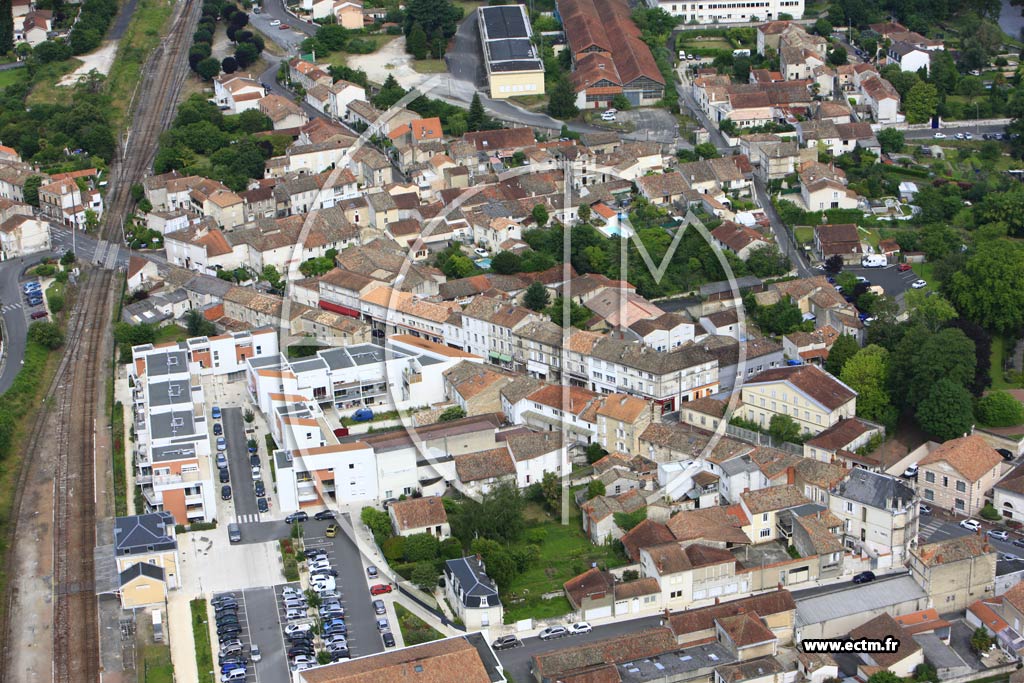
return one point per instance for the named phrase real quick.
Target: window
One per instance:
(929, 477)
(960, 504)
(675, 594)
(765, 533)
(351, 466)
(929, 494)
(961, 486)
(764, 517)
(945, 482)
(849, 506)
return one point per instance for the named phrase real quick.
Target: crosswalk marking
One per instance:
(247, 519)
(926, 530)
(10, 307)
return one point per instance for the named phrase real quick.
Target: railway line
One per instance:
(61, 447)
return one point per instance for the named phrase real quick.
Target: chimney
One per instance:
(790, 475)
(717, 600)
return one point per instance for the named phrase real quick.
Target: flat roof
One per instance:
(166, 363)
(172, 452)
(360, 355)
(274, 362)
(856, 599)
(513, 48)
(169, 392)
(174, 423)
(309, 364)
(505, 21)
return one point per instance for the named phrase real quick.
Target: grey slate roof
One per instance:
(473, 582)
(865, 598)
(140, 534)
(142, 569)
(875, 490)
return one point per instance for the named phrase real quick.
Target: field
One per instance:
(171, 333)
(804, 235)
(10, 77)
(340, 58)
(430, 66)
(45, 89)
(143, 34)
(156, 664)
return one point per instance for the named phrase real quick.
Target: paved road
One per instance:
(364, 639)
(242, 495)
(951, 129)
(939, 528)
(15, 315)
(265, 630)
(783, 237)
(839, 587)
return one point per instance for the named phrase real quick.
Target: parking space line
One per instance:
(250, 671)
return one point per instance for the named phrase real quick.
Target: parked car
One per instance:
(254, 460)
(296, 628)
(918, 284)
(379, 607)
(903, 267)
(262, 505)
(225, 492)
(312, 552)
(254, 653)
(39, 314)
(260, 488)
(363, 415)
(864, 577)
(216, 412)
(292, 590)
(275, 22)
(383, 625)
(325, 572)
(222, 445)
(480, 251)
(324, 514)
(911, 471)
(939, 136)
(217, 429)
(389, 640)
(1007, 454)
(371, 572)
(295, 613)
(331, 531)
(1019, 542)
(552, 632)
(999, 534)
(283, 27)
(1008, 557)
(257, 473)
(580, 627)
(925, 509)
(380, 589)
(234, 532)
(222, 461)
(971, 524)
(297, 517)
(319, 564)
(506, 643)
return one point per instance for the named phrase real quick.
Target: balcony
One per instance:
(412, 377)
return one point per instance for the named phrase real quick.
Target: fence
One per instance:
(761, 439)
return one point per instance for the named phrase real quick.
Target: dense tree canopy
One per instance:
(989, 289)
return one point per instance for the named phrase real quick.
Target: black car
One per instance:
(324, 514)
(389, 640)
(506, 643)
(300, 650)
(311, 552)
(224, 597)
(254, 460)
(225, 492)
(224, 475)
(262, 505)
(1019, 542)
(228, 630)
(227, 621)
(340, 653)
(297, 517)
(328, 571)
(864, 577)
(261, 489)
(1008, 455)
(217, 429)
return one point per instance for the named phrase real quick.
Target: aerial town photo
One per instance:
(467, 341)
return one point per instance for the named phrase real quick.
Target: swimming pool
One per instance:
(484, 263)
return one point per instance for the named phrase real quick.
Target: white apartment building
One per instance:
(729, 11)
(879, 513)
(224, 354)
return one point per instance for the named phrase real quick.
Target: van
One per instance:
(741, 53)
(234, 532)
(233, 675)
(874, 261)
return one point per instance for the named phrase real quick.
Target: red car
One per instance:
(380, 589)
(283, 27)
(903, 267)
(39, 314)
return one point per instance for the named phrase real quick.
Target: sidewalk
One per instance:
(123, 394)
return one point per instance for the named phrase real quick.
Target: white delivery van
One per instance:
(874, 261)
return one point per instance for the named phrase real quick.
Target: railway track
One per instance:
(63, 435)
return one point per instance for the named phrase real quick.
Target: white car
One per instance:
(968, 136)
(580, 627)
(939, 136)
(292, 629)
(959, 136)
(288, 590)
(322, 583)
(553, 632)
(911, 471)
(919, 284)
(971, 524)
(295, 613)
(275, 22)
(611, 111)
(480, 251)
(257, 473)
(607, 117)
(319, 564)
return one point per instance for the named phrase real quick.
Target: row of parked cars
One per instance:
(223, 473)
(33, 292)
(234, 665)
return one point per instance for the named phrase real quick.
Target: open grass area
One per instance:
(147, 26)
(45, 89)
(804, 235)
(171, 333)
(119, 467)
(538, 609)
(340, 58)
(414, 630)
(156, 664)
(996, 363)
(11, 76)
(201, 635)
(707, 44)
(429, 66)
(926, 271)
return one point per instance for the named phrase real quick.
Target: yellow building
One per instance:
(146, 558)
(513, 66)
(814, 399)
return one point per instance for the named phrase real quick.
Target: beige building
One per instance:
(814, 399)
(420, 516)
(763, 506)
(146, 558)
(621, 419)
(955, 572)
(879, 515)
(513, 66)
(696, 572)
(476, 387)
(957, 475)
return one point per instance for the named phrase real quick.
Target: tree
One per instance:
(540, 215)
(922, 357)
(378, 522)
(989, 288)
(209, 68)
(246, 54)
(459, 266)
(867, 373)
(946, 412)
(416, 42)
(6, 27)
(420, 547)
(197, 324)
(499, 563)
(506, 263)
(784, 428)
(627, 520)
(942, 71)
(271, 275)
(47, 335)
(390, 92)
(248, 416)
(823, 28)
(621, 102)
(884, 676)
(595, 452)
(435, 17)
(562, 100)
(229, 65)
(68, 258)
(584, 213)
(477, 117)
(981, 641)
(891, 140)
(768, 261)
(536, 297)
(837, 56)
(982, 353)
(452, 413)
(926, 673)
(844, 348)
(932, 311)
(578, 314)
(779, 318)
(834, 264)
(921, 102)
(1000, 409)
(424, 575)
(31, 189)
(551, 488)
(595, 488)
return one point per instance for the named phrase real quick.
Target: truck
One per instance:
(874, 261)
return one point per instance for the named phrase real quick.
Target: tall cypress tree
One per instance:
(6, 26)
(477, 117)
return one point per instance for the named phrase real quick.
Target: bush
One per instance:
(989, 512)
(393, 548)
(1000, 409)
(47, 335)
(55, 301)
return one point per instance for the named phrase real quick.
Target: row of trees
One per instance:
(455, 121)
(248, 44)
(334, 38)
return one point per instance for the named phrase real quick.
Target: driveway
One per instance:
(364, 639)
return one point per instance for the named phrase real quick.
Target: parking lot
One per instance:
(245, 636)
(889, 278)
(33, 301)
(363, 636)
(261, 625)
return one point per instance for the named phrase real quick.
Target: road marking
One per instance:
(247, 519)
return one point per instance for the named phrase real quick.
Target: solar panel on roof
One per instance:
(505, 21)
(504, 50)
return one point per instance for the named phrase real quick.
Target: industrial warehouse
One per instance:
(513, 65)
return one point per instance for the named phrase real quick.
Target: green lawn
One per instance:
(11, 76)
(147, 25)
(414, 630)
(430, 66)
(804, 235)
(201, 634)
(171, 333)
(564, 553)
(996, 363)
(156, 664)
(45, 89)
(926, 271)
(538, 609)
